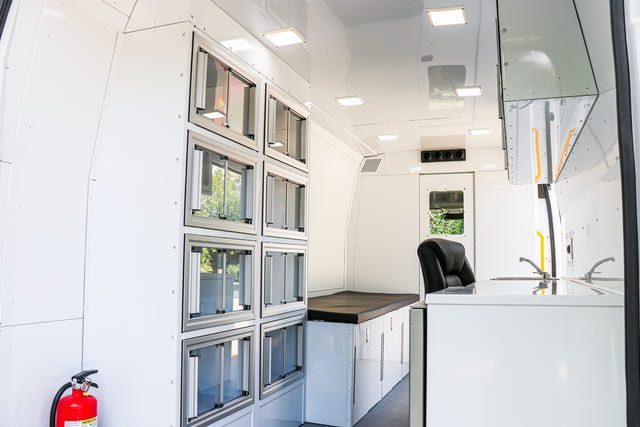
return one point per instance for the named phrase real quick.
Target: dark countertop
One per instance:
(356, 307)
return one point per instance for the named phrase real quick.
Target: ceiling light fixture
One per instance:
(285, 37)
(447, 16)
(275, 144)
(476, 132)
(237, 45)
(389, 137)
(465, 91)
(214, 115)
(349, 101)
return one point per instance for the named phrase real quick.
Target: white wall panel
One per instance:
(154, 13)
(385, 235)
(134, 264)
(333, 171)
(505, 226)
(44, 234)
(35, 360)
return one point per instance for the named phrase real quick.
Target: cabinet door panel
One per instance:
(368, 389)
(392, 351)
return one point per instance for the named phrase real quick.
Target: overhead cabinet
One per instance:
(285, 204)
(217, 376)
(222, 184)
(219, 278)
(223, 95)
(287, 129)
(548, 87)
(284, 278)
(282, 354)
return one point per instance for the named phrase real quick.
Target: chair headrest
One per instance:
(450, 254)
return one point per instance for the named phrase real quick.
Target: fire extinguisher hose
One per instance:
(54, 405)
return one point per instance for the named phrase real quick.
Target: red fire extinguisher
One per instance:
(78, 409)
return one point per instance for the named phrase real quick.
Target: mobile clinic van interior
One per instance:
(319, 212)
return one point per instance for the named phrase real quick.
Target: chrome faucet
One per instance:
(589, 274)
(544, 274)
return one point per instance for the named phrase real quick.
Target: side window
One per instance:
(446, 212)
(222, 187)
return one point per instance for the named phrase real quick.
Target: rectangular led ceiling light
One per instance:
(350, 101)
(214, 115)
(479, 132)
(285, 37)
(469, 91)
(237, 45)
(389, 137)
(447, 16)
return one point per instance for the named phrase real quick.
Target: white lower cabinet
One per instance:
(351, 367)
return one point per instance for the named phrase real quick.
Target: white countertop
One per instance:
(562, 292)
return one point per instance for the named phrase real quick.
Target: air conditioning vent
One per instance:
(371, 165)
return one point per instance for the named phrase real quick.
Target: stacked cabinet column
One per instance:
(245, 263)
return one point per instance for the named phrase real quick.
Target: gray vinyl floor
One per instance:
(392, 411)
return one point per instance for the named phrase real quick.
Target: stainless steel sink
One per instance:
(538, 278)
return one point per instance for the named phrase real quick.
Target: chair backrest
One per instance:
(444, 264)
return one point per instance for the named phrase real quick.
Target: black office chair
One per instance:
(444, 264)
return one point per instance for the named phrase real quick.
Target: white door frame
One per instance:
(450, 182)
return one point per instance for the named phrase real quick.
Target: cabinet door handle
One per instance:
(267, 360)
(353, 385)
(271, 138)
(220, 403)
(194, 282)
(283, 372)
(192, 381)
(246, 275)
(268, 280)
(300, 355)
(300, 289)
(402, 343)
(271, 188)
(246, 354)
(286, 276)
(223, 304)
(201, 80)
(382, 356)
(196, 180)
(246, 206)
(302, 191)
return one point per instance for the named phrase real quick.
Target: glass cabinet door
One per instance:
(222, 183)
(223, 98)
(218, 282)
(217, 376)
(285, 204)
(284, 281)
(286, 131)
(282, 353)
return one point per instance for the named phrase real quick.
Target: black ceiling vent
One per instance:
(451, 155)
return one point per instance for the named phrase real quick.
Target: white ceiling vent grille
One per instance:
(371, 165)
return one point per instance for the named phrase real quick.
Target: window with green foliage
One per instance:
(226, 189)
(446, 212)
